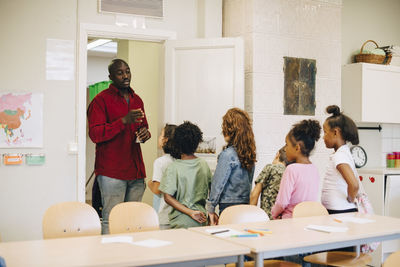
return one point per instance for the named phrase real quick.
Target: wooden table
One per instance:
(188, 248)
(289, 237)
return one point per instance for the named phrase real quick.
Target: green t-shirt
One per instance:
(189, 182)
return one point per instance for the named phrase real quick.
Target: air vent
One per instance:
(148, 8)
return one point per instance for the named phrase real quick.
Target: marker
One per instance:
(253, 232)
(219, 232)
(261, 232)
(245, 235)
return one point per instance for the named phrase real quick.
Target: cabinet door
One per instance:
(380, 93)
(374, 187)
(392, 209)
(392, 196)
(371, 92)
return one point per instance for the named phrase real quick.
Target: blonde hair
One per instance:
(236, 125)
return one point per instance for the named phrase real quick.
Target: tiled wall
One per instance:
(378, 143)
(273, 29)
(390, 140)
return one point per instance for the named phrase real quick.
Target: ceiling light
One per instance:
(97, 43)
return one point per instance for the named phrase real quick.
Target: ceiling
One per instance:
(108, 50)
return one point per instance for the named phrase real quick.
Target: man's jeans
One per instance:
(115, 191)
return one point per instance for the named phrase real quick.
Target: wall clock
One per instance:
(359, 156)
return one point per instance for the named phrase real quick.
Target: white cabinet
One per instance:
(371, 92)
(383, 190)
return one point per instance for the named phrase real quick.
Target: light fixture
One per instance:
(97, 43)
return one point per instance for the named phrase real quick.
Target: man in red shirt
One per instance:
(118, 124)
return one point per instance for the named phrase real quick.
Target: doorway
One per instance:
(144, 59)
(144, 41)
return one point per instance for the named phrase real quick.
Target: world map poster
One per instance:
(21, 120)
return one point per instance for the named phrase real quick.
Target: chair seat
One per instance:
(268, 263)
(339, 258)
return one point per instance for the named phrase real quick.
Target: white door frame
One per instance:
(106, 31)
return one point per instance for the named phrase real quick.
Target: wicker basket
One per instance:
(371, 58)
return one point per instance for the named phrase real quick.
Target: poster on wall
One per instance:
(60, 60)
(299, 86)
(21, 120)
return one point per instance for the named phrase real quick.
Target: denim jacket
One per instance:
(231, 183)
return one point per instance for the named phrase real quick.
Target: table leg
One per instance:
(259, 261)
(240, 262)
(357, 251)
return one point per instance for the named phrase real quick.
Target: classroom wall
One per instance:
(272, 30)
(26, 192)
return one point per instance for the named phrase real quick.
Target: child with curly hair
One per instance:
(187, 180)
(300, 181)
(231, 183)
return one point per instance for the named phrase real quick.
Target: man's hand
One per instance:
(134, 115)
(213, 218)
(143, 135)
(198, 216)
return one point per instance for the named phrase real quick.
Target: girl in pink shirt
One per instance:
(300, 181)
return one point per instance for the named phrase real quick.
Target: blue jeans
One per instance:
(115, 191)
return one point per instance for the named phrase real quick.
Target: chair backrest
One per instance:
(128, 217)
(68, 219)
(242, 214)
(393, 260)
(308, 209)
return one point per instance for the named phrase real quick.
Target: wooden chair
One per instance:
(393, 260)
(246, 214)
(242, 214)
(128, 217)
(308, 209)
(69, 219)
(329, 258)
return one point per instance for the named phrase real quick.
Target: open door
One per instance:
(203, 79)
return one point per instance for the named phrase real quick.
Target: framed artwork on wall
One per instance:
(146, 8)
(299, 86)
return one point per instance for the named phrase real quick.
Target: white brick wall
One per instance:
(273, 29)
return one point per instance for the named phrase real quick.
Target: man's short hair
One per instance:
(116, 62)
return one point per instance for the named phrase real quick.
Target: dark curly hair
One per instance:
(306, 133)
(346, 125)
(169, 130)
(237, 126)
(186, 139)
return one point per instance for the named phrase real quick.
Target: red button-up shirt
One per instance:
(117, 153)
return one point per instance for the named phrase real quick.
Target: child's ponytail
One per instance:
(346, 125)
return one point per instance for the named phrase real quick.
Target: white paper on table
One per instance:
(117, 239)
(354, 220)
(152, 243)
(326, 229)
(229, 232)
